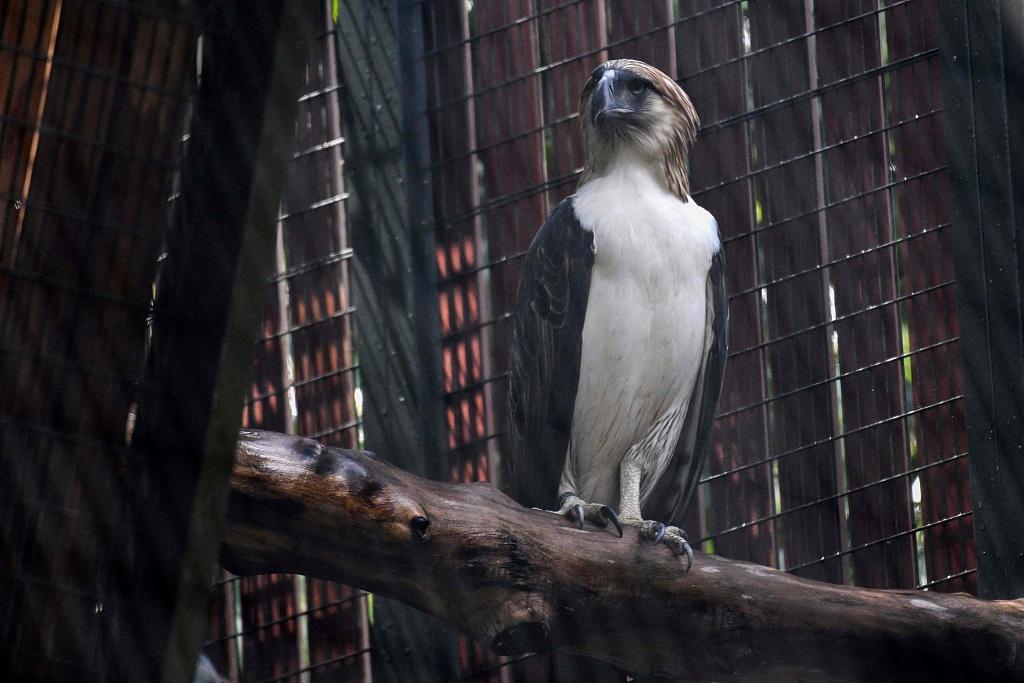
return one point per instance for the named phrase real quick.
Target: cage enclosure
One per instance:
(362, 180)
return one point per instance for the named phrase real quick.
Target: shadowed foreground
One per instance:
(525, 580)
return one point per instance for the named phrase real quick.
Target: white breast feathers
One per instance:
(644, 333)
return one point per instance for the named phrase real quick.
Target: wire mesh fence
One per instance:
(839, 451)
(91, 94)
(280, 626)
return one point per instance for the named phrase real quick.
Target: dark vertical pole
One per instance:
(383, 106)
(220, 247)
(984, 99)
(397, 341)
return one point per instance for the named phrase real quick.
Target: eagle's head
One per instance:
(629, 107)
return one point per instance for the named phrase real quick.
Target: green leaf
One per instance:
(334, 10)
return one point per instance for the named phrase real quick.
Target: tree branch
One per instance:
(525, 580)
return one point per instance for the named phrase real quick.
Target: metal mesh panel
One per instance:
(91, 95)
(840, 449)
(283, 627)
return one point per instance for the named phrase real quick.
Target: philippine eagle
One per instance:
(619, 343)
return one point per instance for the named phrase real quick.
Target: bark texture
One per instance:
(525, 580)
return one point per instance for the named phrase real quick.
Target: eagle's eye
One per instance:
(637, 86)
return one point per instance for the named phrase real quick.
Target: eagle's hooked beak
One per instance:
(611, 102)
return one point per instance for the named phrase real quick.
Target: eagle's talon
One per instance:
(687, 550)
(578, 510)
(672, 536)
(677, 540)
(610, 515)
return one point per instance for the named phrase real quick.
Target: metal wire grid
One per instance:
(529, 62)
(283, 627)
(91, 91)
(840, 448)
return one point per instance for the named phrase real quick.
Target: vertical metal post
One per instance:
(380, 49)
(220, 248)
(983, 81)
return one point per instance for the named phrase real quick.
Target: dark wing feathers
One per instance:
(545, 360)
(673, 491)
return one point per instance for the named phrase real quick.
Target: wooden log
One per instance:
(525, 580)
